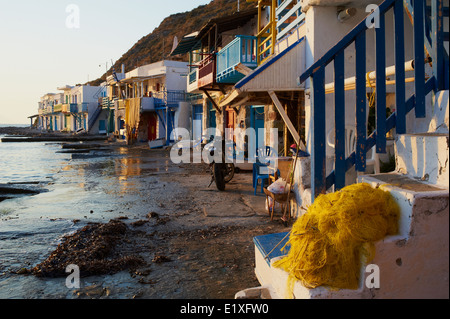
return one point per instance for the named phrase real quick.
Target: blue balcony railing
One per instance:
(168, 98)
(289, 16)
(241, 50)
(193, 76)
(73, 108)
(82, 107)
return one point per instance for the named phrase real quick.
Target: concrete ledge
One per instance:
(424, 156)
(412, 264)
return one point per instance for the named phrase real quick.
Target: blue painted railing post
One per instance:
(339, 120)
(419, 57)
(399, 68)
(437, 40)
(318, 169)
(361, 130)
(380, 35)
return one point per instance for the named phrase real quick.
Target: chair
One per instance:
(284, 171)
(350, 147)
(261, 153)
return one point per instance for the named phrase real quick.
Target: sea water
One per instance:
(74, 192)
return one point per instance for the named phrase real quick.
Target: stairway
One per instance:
(412, 264)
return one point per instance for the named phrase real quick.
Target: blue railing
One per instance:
(193, 76)
(241, 50)
(169, 98)
(73, 108)
(82, 107)
(289, 16)
(335, 56)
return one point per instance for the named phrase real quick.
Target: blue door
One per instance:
(257, 120)
(102, 126)
(212, 115)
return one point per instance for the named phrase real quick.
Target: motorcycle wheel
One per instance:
(229, 172)
(218, 171)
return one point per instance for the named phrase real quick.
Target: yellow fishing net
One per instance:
(337, 234)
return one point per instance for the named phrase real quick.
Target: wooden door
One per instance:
(151, 127)
(231, 120)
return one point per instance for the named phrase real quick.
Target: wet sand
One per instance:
(195, 242)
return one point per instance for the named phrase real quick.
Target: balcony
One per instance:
(120, 104)
(82, 107)
(241, 50)
(169, 98)
(147, 104)
(69, 108)
(105, 102)
(207, 71)
(289, 16)
(57, 108)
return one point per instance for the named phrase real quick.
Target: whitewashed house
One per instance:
(155, 99)
(49, 113)
(75, 109)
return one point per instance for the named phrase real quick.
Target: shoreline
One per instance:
(28, 134)
(195, 241)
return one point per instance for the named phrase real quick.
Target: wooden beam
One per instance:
(212, 101)
(286, 120)
(243, 101)
(243, 69)
(228, 99)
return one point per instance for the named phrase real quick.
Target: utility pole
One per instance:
(238, 6)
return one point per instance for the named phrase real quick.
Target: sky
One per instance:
(47, 44)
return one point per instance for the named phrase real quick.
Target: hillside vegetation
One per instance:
(155, 46)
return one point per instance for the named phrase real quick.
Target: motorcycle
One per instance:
(221, 173)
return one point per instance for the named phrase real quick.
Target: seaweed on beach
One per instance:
(92, 249)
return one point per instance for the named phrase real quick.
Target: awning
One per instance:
(141, 78)
(187, 44)
(192, 41)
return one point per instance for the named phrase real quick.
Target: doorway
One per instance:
(257, 123)
(230, 125)
(151, 127)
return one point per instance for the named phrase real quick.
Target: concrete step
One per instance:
(412, 264)
(424, 157)
(440, 117)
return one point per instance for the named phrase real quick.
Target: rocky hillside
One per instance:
(158, 44)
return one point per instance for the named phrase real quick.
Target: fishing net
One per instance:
(330, 242)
